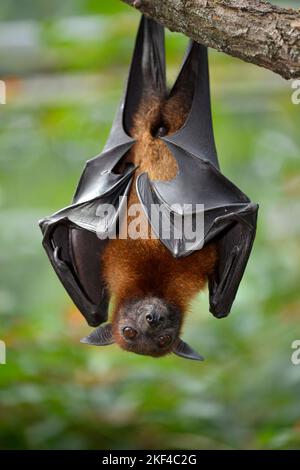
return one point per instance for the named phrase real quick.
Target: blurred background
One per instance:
(64, 64)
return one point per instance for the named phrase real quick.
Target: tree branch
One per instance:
(253, 30)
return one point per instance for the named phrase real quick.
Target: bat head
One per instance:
(148, 326)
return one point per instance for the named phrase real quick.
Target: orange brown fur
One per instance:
(139, 268)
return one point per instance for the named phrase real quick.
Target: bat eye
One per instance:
(164, 340)
(129, 332)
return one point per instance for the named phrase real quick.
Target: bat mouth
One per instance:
(149, 345)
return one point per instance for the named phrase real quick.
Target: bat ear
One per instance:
(101, 336)
(182, 349)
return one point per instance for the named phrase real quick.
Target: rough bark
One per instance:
(255, 31)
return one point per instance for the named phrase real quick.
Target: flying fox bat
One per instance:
(160, 153)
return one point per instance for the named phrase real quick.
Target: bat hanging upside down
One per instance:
(160, 150)
(151, 288)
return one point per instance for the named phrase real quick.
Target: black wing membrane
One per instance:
(196, 135)
(61, 240)
(147, 76)
(74, 237)
(235, 246)
(228, 216)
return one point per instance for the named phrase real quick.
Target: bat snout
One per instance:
(154, 318)
(154, 312)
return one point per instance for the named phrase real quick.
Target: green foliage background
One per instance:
(65, 64)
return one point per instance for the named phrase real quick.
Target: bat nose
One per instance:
(153, 318)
